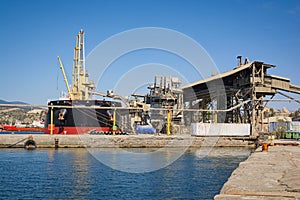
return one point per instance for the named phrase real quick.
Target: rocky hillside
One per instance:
(9, 115)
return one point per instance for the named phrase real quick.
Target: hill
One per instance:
(11, 102)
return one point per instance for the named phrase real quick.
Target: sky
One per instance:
(35, 32)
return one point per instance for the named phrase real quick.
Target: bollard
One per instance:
(56, 140)
(265, 147)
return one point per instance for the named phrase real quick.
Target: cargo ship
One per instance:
(81, 116)
(77, 113)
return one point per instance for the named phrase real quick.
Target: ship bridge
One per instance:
(236, 96)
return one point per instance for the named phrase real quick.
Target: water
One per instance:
(76, 174)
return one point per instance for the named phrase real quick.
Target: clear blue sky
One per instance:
(34, 32)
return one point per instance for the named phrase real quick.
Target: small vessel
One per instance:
(77, 113)
(17, 128)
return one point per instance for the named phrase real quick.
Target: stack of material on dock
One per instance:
(273, 174)
(220, 129)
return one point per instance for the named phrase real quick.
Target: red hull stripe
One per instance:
(11, 128)
(78, 130)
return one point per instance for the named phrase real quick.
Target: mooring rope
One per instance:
(17, 142)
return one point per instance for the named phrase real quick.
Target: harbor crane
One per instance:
(80, 83)
(65, 76)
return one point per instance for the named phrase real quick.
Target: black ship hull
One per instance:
(81, 117)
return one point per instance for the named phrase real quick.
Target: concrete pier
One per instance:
(274, 174)
(123, 141)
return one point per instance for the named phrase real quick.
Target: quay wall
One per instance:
(272, 174)
(123, 141)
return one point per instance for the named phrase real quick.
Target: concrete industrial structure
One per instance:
(237, 96)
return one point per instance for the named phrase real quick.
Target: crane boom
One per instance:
(65, 77)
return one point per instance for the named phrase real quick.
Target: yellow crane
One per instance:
(81, 86)
(65, 77)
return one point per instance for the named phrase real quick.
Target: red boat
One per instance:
(6, 127)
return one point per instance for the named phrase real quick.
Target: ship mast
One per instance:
(81, 87)
(80, 83)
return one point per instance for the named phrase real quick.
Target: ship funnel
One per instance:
(239, 61)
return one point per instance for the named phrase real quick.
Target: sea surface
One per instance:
(77, 174)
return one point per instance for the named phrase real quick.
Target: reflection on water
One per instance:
(76, 174)
(137, 160)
